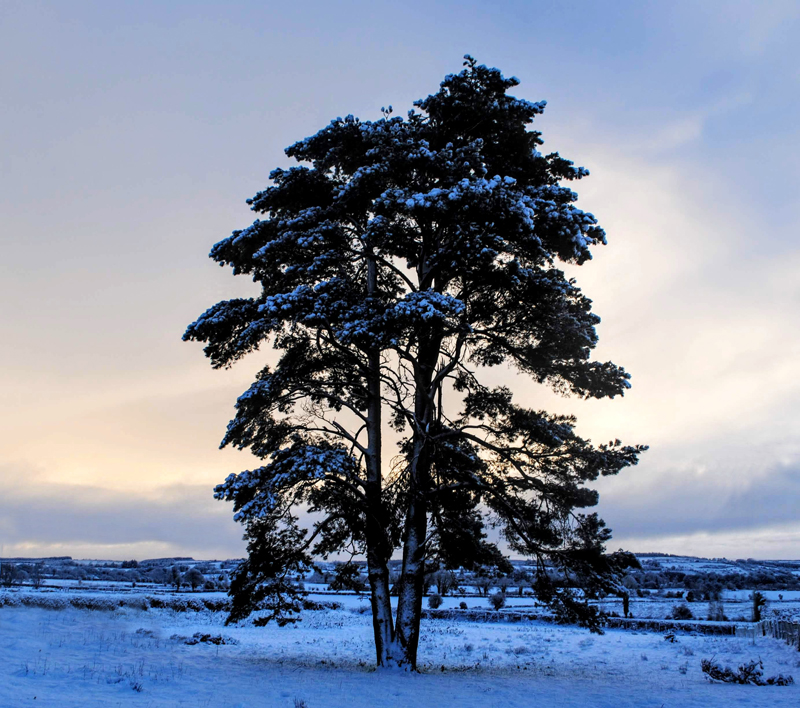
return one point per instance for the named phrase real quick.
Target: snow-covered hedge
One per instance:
(646, 625)
(177, 603)
(60, 601)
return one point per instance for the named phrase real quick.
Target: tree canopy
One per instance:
(396, 262)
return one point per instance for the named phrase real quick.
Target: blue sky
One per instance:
(132, 132)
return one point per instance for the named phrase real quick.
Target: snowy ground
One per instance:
(79, 658)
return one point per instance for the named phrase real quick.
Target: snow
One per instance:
(72, 658)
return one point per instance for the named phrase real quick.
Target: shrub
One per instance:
(138, 603)
(497, 600)
(200, 638)
(216, 605)
(751, 673)
(681, 612)
(462, 605)
(435, 601)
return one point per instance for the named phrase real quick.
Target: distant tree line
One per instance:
(707, 585)
(199, 576)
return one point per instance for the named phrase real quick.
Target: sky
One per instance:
(131, 134)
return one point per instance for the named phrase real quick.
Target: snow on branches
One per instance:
(396, 262)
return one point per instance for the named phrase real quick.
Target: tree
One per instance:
(347, 577)
(759, 601)
(497, 600)
(445, 581)
(8, 574)
(37, 574)
(397, 263)
(522, 579)
(194, 578)
(175, 578)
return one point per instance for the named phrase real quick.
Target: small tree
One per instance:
(445, 581)
(8, 572)
(21, 576)
(175, 577)
(347, 576)
(37, 574)
(397, 263)
(759, 602)
(497, 600)
(630, 582)
(523, 579)
(194, 578)
(483, 583)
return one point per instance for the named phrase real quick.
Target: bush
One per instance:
(138, 603)
(200, 638)
(681, 612)
(435, 601)
(462, 605)
(216, 605)
(751, 673)
(497, 600)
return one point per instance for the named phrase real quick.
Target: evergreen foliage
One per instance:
(399, 260)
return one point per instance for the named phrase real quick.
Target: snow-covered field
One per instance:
(737, 609)
(128, 658)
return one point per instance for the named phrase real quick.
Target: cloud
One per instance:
(699, 300)
(772, 542)
(723, 496)
(60, 519)
(684, 112)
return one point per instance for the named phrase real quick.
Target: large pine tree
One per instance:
(397, 262)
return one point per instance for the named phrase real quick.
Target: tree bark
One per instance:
(409, 601)
(378, 547)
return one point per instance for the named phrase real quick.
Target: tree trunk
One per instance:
(378, 548)
(409, 601)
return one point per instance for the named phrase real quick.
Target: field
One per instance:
(130, 657)
(119, 654)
